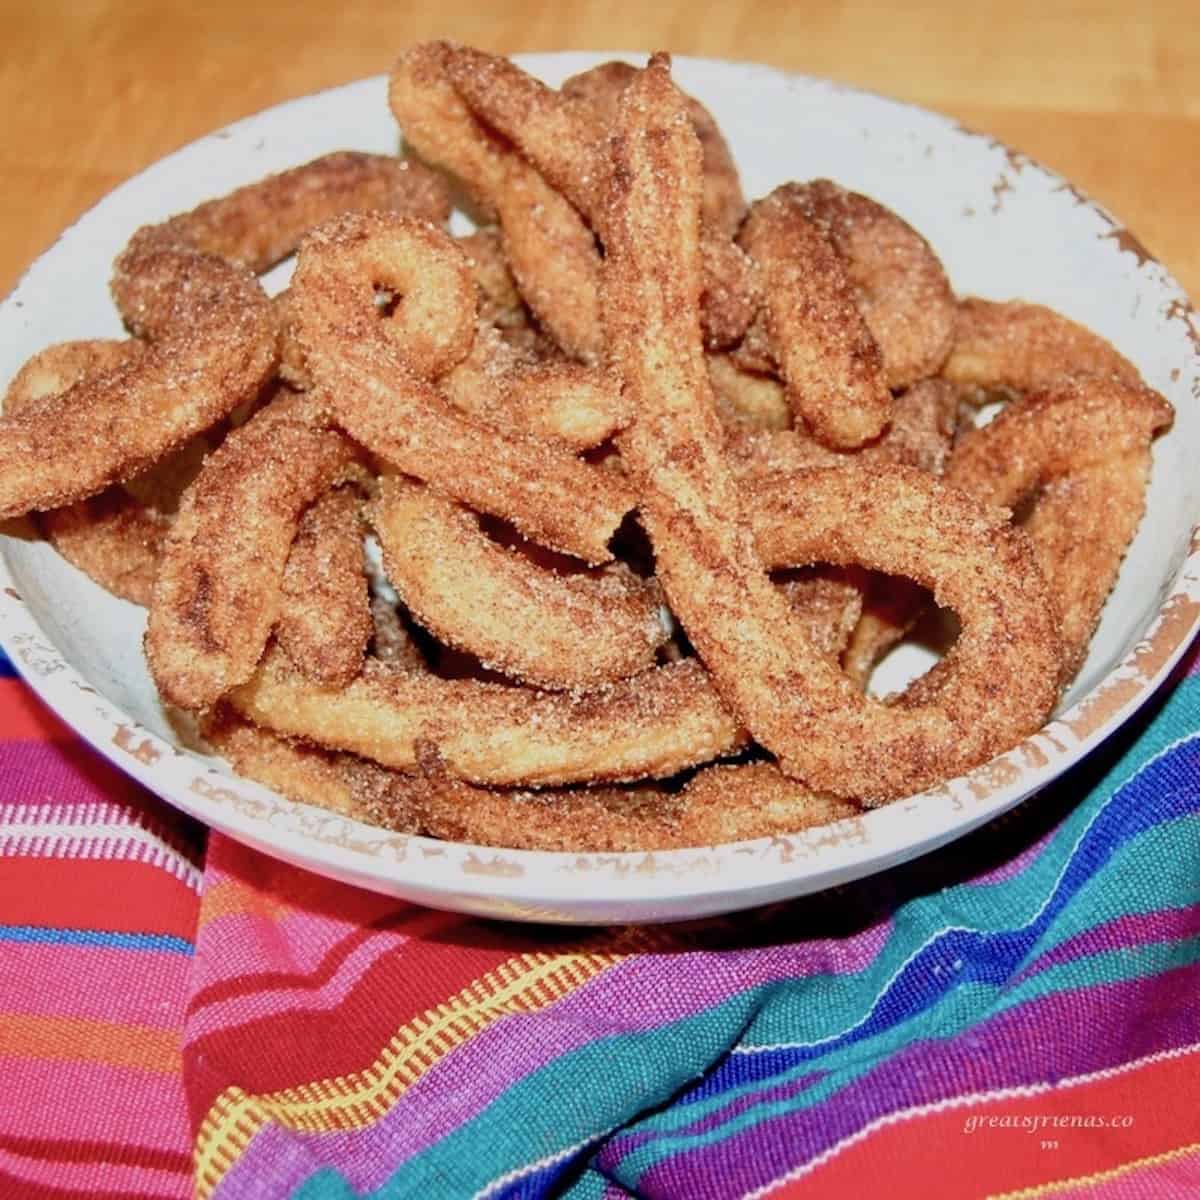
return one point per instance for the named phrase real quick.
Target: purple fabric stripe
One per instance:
(1129, 931)
(1137, 1017)
(73, 775)
(59, 772)
(636, 995)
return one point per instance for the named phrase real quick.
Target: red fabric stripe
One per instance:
(24, 718)
(117, 896)
(284, 1050)
(306, 1045)
(932, 1155)
(66, 1150)
(26, 1189)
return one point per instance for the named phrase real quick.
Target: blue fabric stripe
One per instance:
(539, 1182)
(7, 670)
(96, 937)
(985, 956)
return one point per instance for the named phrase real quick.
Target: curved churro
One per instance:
(551, 252)
(185, 285)
(112, 537)
(57, 368)
(565, 137)
(259, 225)
(903, 293)
(310, 774)
(793, 699)
(552, 630)
(369, 379)
(830, 362)
(690, 506)
(217, 595)
(1082, 450)
(997, 684)
(1022, 347)
(324, 620)
(654, 724)
(348, 264)
(211, 346)
(721, 804)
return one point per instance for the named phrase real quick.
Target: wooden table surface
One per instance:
(94, 90)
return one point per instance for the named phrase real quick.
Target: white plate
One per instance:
(1003, 226)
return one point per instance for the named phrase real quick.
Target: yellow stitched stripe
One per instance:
(1062, 1185)
(521, 984)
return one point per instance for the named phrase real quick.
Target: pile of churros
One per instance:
(585, 530)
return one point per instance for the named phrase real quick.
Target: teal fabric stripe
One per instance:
(969, 905)
(1158, 870)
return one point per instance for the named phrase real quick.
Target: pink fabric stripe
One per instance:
(283, 1000)
(67, 1100)
(146, 989)
(252, 944)
(97, 1177)
(297, 944)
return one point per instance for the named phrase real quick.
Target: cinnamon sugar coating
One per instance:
(324, 622)
(530, 622)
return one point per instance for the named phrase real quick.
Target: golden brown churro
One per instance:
(903, 292)
(219, 585)
(324, 620)
(1019, 347)
(1082, 450)
(532, 623)
(792, 698)
(828, 358)
(651, 725)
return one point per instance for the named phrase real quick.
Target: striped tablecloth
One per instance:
(1017, 1015)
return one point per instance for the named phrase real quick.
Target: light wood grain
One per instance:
(1109, 95)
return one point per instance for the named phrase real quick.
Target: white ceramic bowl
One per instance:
(1003, 226)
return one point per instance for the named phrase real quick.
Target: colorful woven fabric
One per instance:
(1016, 1015)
